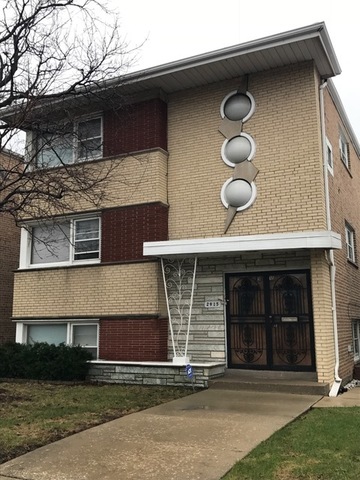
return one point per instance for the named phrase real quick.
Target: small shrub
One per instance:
(42, 361)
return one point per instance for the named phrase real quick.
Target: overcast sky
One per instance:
(176, 30)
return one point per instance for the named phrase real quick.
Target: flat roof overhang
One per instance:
(322, 239)
(309, 43)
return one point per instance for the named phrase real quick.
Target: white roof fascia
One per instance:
(343, 115)
(323, 239)
(311, 31)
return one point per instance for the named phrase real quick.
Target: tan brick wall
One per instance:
(133, 179)
(344, 187)
(323, 323)
(93, 291)
(286, 130)
(140, 178)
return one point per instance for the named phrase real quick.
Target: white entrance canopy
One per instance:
(322, 239)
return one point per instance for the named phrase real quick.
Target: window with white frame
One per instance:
(356, 339)
(82, 141)
(69, 333)
(344, 150)
(350, 242)
(329, 157)
(65, 242)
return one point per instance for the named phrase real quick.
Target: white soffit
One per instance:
(323, 239)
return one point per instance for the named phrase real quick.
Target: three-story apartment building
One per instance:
(228, 236)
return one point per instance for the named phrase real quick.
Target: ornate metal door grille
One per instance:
(270, 321)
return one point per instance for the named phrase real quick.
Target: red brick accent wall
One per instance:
(9, 261)
(125, 229)
(133, 339)
(136, 127)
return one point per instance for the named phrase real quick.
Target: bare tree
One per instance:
(56, 56)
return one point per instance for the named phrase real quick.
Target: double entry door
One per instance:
(269, 321)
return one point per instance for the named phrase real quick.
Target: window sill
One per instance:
(354, 264)
(52, 266)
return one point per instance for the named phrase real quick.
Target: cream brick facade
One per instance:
(97, 291)
(290, 181)
(132, 179)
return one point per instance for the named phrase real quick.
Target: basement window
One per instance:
(69, 333)
(356, 339)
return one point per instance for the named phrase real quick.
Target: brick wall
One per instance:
(129, 180)
(124, 230)
(136, 127)
(9, 261)
(285, 128)
(344, 187)
(133, 339)
(95, 291)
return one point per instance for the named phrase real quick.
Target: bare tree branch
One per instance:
(51, 50)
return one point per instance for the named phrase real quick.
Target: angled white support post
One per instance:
(179, 282)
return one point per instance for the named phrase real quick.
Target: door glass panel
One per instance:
(247, 321)
(290, 331)
(269, 322)
(288, 294)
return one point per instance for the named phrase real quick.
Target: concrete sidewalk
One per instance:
(198, 437)
(351, 398)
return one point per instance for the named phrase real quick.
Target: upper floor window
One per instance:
(344, 150)
(329, 157)
(65, 242)
(78, 142)
(350, 243)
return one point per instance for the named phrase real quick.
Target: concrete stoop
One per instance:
(264, 381)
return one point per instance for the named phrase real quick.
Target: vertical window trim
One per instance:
(350, 243)
(330, 165)
(344, 150)
(356, 339)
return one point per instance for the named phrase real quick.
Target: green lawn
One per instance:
(324, 444)
(34, 414)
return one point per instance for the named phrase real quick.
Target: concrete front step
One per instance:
(263, 381)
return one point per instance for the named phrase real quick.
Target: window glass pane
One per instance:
(50, 243)
(356, 338)
(87, 239)
(55, 151)
(89, 139)
(55, 334)
(86, 336)
(89, 149)
(89, 128)
(350, 243)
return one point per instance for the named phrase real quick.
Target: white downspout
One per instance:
(337, 382)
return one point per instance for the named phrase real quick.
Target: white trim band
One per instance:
(323, 239)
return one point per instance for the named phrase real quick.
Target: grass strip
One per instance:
(34, 414)
(324, 444)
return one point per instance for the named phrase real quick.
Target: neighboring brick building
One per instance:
(233, 188)
(9, 262)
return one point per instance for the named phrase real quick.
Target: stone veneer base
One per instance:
(154, 373)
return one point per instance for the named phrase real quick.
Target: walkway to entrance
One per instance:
(198, 437)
